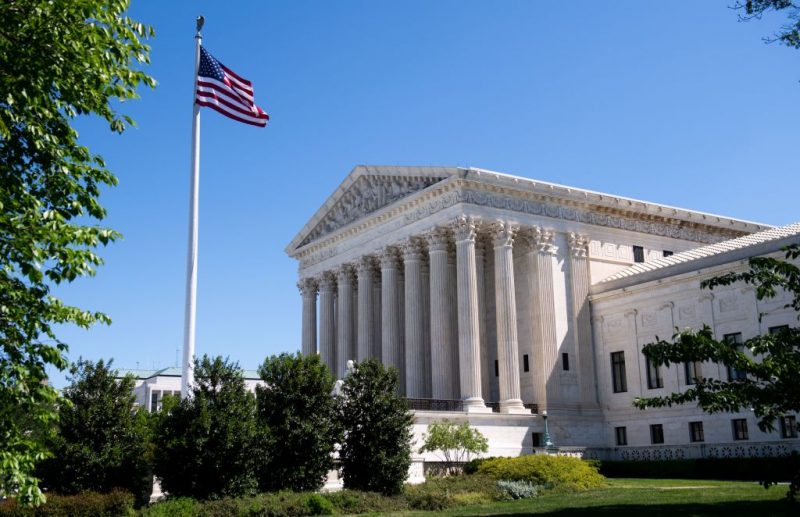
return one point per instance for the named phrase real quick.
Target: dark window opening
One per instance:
(496, 368)
(638, 254)
(667, 253)
(565, 361)
(696, 432)
(736, 340)
(654, 379)
(525, 366)
(788, 427)
(740, 429)
(537, 439)
(694, 371)
(778, 329)
(621, 435)
(656, 433)
(618, 378)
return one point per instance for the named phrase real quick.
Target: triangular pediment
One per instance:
(366, 190)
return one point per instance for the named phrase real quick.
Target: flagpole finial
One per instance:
(200, 21)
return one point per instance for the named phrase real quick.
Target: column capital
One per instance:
(308, 287)
(345, 273)
(541, 240)
(503, 233)
(412, 249)
(389, 257)
(327, 281)
(365, 264)
(438, 239)
(578, 245)
(465, 228)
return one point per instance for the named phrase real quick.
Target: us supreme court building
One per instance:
(506, 302)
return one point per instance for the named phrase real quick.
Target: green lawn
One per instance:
(649, 497)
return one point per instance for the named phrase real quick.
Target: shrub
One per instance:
(539, 469)
(178, 507)
(440, 493)
(86, 504)
(518, 489)
(297, 408)
(318, 505)
(356, 501)
(471, 467)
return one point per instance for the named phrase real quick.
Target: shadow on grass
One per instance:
(729, 509)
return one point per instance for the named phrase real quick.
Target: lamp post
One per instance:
(547, 442)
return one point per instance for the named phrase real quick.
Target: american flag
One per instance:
(219, 88)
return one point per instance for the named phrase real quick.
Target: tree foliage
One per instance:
(769, 365)
(376, 451)
(103, 438)
(454, 443)
(789, 33)
(299, 413)
(60, 59)
(206, 445)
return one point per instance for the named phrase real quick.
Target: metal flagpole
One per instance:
(187, 377)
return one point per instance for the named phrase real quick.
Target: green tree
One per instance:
(376, 451)
(60, 59)
(298, 409)
(206, 445)
(454, 443)
(103, 439)
(789, 33)
(768, 366)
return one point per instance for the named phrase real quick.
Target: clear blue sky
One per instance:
(671, 102)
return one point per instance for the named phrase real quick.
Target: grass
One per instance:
(650, 497)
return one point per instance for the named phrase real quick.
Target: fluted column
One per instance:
(469, 346)
(327, 320)
(545, 343)
(308, 290)
(452, 319)
(391, 345)
(414, 320)
(440, 333)
(506, 306)
(579, 273)
(426, 323)
(366, 334)
(345, 343)
(485, 358)
(375, 352)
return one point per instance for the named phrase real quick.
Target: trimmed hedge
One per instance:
(560, 472)
(86, 504)
(724, 469)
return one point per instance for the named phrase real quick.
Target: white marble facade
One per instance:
(476, 286)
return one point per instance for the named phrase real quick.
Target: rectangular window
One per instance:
(788, 427)
(565, 362)
(778, 329)
(537, 439)
(696, 432)
(153, 401)
(654, 379)
(735, 339)
(525, 365)
(739, 429)
(693, 372)
(667, 253)
(496, 368)
(618, 378)
(656, 434)
(622, 435)
(638, 254)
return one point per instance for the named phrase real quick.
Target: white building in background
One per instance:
(152, 385)
(498, 298)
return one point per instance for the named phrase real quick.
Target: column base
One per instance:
(476, 405)
(513, 406)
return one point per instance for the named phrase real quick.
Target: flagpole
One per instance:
(187, 376)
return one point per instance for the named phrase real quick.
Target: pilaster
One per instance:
(581, 318)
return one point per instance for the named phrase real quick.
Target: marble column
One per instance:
(366, 334)
(308, 290)
(545, 342)
(487, 366)
(506, 308)
(414, 320)
(391, 345)
(469, 346)
(345, 343)
(582, 323)
(327, 320)
(452, 318)
(425, 266)
(441, 356)
(375, 353)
